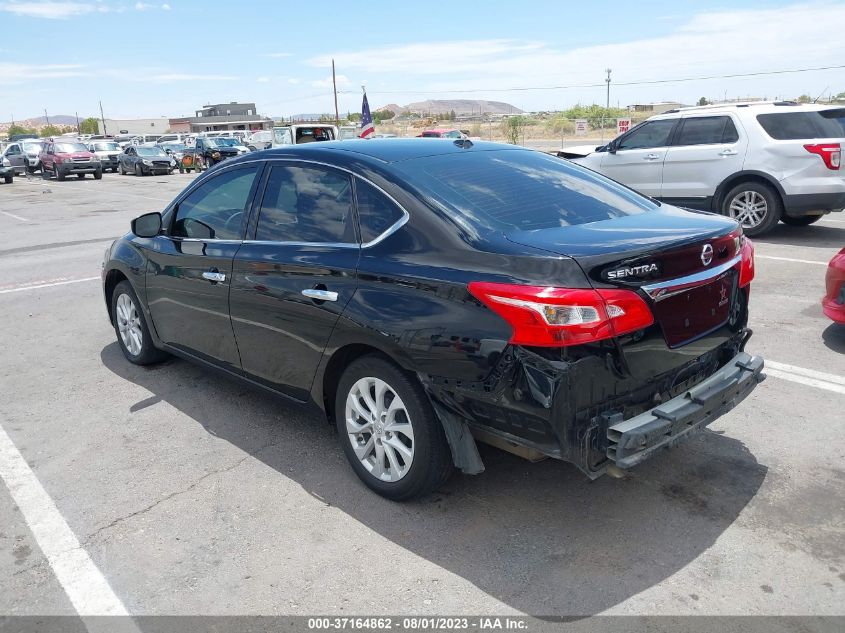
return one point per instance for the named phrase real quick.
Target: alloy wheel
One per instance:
(129, 324)
(749, 208)
(379, 429)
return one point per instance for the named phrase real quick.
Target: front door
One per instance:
(190, 267)
(638, 159)
(292, 281)
(16, 157)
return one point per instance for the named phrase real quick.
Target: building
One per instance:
(655, 108)
(159, 125)
(222, 116)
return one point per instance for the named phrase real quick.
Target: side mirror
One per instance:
(612, 146)
(147, 225)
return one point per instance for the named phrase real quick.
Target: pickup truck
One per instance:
(299, 133)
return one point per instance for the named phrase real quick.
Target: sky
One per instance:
(137, 57)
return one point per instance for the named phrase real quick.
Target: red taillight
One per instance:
(746, 271)
(555, 317)
(831, 153)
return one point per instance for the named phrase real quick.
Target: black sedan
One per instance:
(143, 161)
(425, 294)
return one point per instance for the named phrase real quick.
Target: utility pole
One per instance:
(334, 84)
(103, 118)
(78, 131)
(608, 70)
(46, 117)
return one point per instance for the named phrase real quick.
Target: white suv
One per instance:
(756, 162)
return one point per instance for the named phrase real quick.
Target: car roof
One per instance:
(751, 107)
(390, 150)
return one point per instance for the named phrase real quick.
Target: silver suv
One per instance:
(756, 162)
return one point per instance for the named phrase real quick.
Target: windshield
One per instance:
(32, 148)
(173, 147)
(69, 148)
(227, 142)
(150, 151)
(521, 190)
(106, 147)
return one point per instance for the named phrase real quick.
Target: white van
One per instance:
(171, 138)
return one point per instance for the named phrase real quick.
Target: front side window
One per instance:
(649, 134)
(376, 212)
(707, 130)
(13, 150)
(306, 204)
(216, 209)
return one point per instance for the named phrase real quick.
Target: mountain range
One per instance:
(460, 106)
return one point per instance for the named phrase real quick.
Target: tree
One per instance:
(49, 130)
(513, 127)
(16, 129)
(354, 116)
(703, 101)
(89, 126)
(452, 115)
(805, 99)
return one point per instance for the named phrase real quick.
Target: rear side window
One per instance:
(215, 209)
(647, 135)
(306, 204)
(788, 126)
(707, 130)
(520, 190)
(376, 212)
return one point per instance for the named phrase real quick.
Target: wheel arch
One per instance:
(113, 277)
(745, 176)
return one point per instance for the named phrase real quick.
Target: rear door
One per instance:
(638, 159)
(705, 151)
(190, 267)
(291, 282)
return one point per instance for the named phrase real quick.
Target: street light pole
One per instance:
(608, 70)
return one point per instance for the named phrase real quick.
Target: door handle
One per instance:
(319, 294)
(214, 276)
(728, 152)
(651, 156)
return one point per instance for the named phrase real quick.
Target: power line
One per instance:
(643, 82)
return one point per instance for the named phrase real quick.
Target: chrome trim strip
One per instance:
(665, 289)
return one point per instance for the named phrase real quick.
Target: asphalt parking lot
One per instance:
(193, 495)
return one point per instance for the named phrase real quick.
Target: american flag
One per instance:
(367, 126)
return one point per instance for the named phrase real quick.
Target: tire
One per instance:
(121, 169)
(44, 174)
(98, 175)
(80, 176)
(8, 179)
(426, 461)
(127, 313)
(59, 175)
(800, 220)
(139, 171)
(757, 207)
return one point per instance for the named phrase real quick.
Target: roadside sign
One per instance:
(623, 125)
(580, 127)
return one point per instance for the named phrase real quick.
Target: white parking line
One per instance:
(84, 584)
(809, 377)
(790, 259)
(16, 217)
(45, 284)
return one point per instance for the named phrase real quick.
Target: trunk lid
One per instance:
(685, 264)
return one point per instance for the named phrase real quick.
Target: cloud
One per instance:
(710, 43)
(171, 77)
(51, 10)
(263, 80)
(342, 80)
(293, 81)
(12, 73)
(165, 7)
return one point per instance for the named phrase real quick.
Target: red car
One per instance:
(442, 133)
(833, 303)
(61, 158)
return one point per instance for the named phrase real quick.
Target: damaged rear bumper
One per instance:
(633, 440)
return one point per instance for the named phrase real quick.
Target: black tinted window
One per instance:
(649, 134)
(707, 130)
(215, 210)
(306, 204)
(784, 126)
(376, 212)
(523, 190)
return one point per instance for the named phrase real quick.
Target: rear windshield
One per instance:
(521, 190)
(786, 126)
